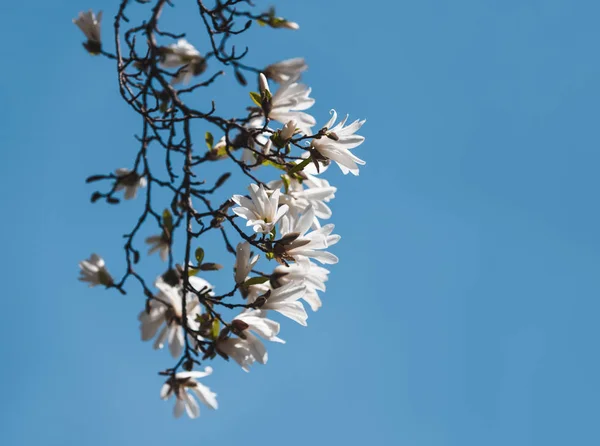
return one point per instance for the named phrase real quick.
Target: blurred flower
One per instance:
(94, 272)
(166, 311)
(160, 243)
(186, 389)
(89, 24)
(130, 181)
(286, 71)
(183, 54)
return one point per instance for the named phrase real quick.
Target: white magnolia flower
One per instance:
(251, 349)
(165, 313)
(338, 142)
(129, 181)
(286, 71)
(307, 273)
(94, 272)
(243, 264)
(89, 24)
(262, 209)
(182, 54)
(287, 104)
(160, 243)
(239, 350)
(307, 244)
(186, 389)
(284, 300)
(312, 191)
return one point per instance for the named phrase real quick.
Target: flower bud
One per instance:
(264, 85)
(266, 150)
(288, 130)
(291, 25)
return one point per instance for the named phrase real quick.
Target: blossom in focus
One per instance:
(284, 300)
(243, 264)
(130, 181)
(165, 313)
(186, 389)
(338, 141)
(289, 102)
(306, 272)
(89, 24)
(94, 272)
(286, 71)
(183, 54)
(306, 244)
(262, 209)
(312, 191)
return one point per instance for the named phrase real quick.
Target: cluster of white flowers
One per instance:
(288, 219)
(285, 220)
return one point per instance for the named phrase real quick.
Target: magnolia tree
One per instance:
(274, 230)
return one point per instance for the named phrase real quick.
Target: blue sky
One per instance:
(464, 308)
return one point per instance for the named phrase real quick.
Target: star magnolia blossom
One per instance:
(286, 71)
(289, 102)
(307, 244)
(284, 300)
(251, 349)
(186, 389)
(166, 312)
(285, 214)
(94, 272)
(339, 141)
(306, 272)
(89, 24)
(129, 181)
(262, 209)
(243, 264)
(239, 350)
(312, 191)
